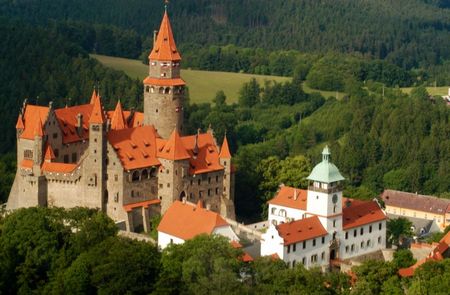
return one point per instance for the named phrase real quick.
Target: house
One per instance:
(184, 221)
(417, 206)
(319, 226)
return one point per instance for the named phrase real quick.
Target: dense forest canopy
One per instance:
(409, 33)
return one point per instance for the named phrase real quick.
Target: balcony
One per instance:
(330, 190)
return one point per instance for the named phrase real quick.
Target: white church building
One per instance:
(318, 226)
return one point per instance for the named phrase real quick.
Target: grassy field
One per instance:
(203, 85)
(431, 90)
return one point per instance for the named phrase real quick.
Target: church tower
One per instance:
(325, 194)
(164, 88)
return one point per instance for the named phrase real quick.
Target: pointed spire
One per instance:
(225, 150)
(19, 124)
(94, 96)
(97, 115)
(117, 120)
(49, 155)
(165, 48)
(38, 131)
(174, 148)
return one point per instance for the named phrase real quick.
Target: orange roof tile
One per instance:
(225, 150)
(33, 116)
(67, 121)
(58, 167)
(164, 81)
(145, 204)
(361, 213)
(174, 148)
(446, 238)
(245, 256)
(207, 158)
(26, 164)
(97, 115)
(49, 155)
(135, 147)
(19, 124)
(301, 230)
(286, 197)
(165, 47)
(117, 120)
(186, 221)
(38, 131)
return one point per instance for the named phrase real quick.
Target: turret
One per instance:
(227, 206)
(38, 147)
(164, 88)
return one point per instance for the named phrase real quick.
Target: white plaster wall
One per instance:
(272, 243)
(227, 232)
(293, 213)
(366, 236)
(165, 239)
(307, 252)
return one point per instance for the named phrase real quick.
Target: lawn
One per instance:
(203, 85)
(431, 90)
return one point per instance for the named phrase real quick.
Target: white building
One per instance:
(183, 221)
(318, 225)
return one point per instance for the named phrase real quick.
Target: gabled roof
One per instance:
(117, 119)
(207, 158)
(325, 171)
(225, 150)
(415, 202)
(19, 124)
(290, 197)
(174, 149)
(165, 48)
(49, 155)
(186, 221)
(135, 147)
(97, 115)
(301, 230)
(67, 120)
(33, 116)
(361, 213)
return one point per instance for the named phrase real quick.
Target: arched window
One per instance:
(147, 88)
(152, 89)
(153, 172)
(161, 90)
(135, 176)
(144, 174)
(273, 211)
(282, 213)
(167, 90)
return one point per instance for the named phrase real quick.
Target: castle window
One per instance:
(273, 211)
(334, 209)
(346, 235)
(28, 154)
(153, 172)
(294, 247)
(355, 233)
(135, 176)
(147, 88)
(380, 226)
(74, 157)
(323, 256)
(346, 249)
(368, 243)
(370, 229)
(323, 240)
(289, 249)
(217, 178)
(314, 258)
(144, 174)
(209, 192)
(167, 171)
(160, 185)
(361, 231)
(66, 158)
(304, 244)
(217, 190)
(314, 242)
(304, 260)
(161, 90)
(225, 163)
(379, 240)
(334, 223)
(362, 245)
(167, 90)
(156, 110)
(209, 179)
(116, 177)
(55, 135)
(199, 181)
(353, 247)
(168, 184)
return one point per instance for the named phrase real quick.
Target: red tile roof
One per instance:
(225, 150)
(67, 121)
(117, 119)
(245, 256)
(286, 197)
(301, 230)
(186, 221)
(207, 158)
(33, 116)
(416, 202)
(361, 213)
(19, 124)
(97, 115)
(174, 149)
(49, 155)
(145, 204)
(165, 48)
(164, 81)
(58, 167)
(135, 147)
(26, 164)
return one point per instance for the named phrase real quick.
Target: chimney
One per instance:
(208, 207)
(79, 123)
(155, 34)
(295, 194)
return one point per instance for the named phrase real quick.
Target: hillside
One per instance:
(410, 33)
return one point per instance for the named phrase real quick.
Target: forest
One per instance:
(78, 251)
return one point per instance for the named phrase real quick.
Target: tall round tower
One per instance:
(164, 88)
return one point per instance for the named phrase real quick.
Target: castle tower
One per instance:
(164, 88)
(94, 166)
(227, 201)
(325, 194)
(174, 159)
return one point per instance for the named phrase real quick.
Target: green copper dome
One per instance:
(325, 171)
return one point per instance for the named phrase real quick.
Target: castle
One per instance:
(130, 165)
